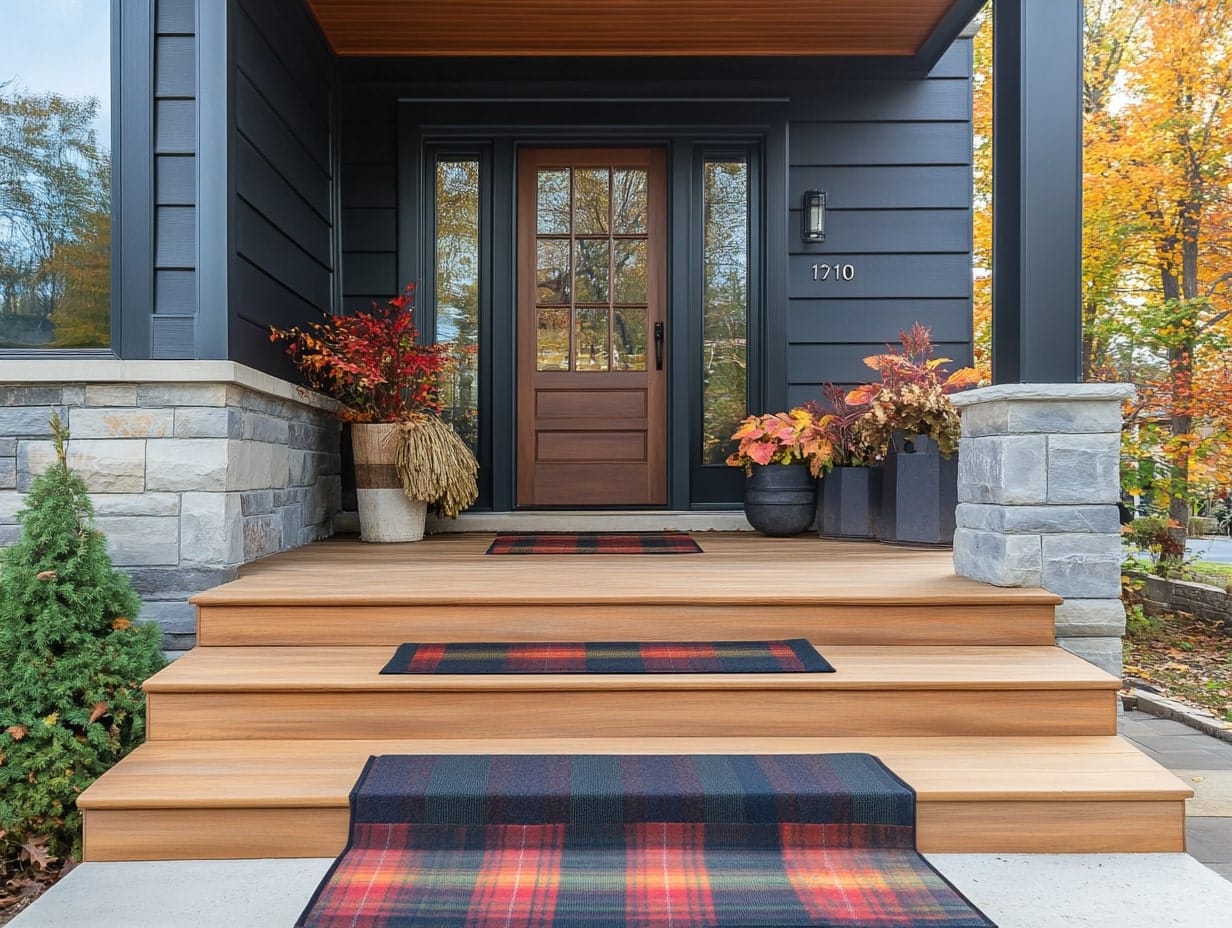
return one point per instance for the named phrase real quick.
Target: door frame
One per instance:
(497, 128)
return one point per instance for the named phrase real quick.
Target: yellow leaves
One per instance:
(17, 731)
(52, 720)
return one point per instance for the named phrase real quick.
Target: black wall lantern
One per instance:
(813, 216)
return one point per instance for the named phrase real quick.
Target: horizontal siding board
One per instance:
(175, 292)
(268, 191)
(175, 236)
(883, 101)
(369, 230)
(875, 321)
(173, 337)
(260, 242)
(176, 16)
(266, 131)
(265, 301)
(364, 273)
(887, 231)
(880, 143)
(369, 185)
(305, 115)
(176, 180)
(884, 277)
(817, 364)
(175, 127)
(295, 40)
(887, 187)
(369, 142)
(175, 66)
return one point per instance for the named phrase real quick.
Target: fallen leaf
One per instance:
(120, 623)
(100, 709)
(17, 731)
(46, 575)
(35, 851)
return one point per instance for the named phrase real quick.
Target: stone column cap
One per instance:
(1048, 392)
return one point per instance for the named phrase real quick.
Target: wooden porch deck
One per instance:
(257, 735)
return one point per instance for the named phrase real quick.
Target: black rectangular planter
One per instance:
(919, 495)
(849, 503)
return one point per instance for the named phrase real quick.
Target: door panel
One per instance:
(592, 415)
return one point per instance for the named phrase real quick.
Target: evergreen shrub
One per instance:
(73, 659)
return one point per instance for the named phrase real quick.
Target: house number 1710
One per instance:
(834, 272)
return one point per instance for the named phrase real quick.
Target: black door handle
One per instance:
(658, 337)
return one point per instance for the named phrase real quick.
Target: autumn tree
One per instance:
(1159, 167)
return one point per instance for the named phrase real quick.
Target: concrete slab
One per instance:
(1015, 890)
(1212, 791)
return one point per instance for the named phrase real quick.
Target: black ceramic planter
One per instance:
(849, 503)
(919, 494)
(780, 499)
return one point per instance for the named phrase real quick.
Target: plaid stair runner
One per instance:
(599, 841)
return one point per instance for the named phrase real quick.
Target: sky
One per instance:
(62, 46)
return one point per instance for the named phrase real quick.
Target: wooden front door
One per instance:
(591, 356)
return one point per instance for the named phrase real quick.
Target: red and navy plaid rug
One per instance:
(597, 841)
(794, 655)
(594, 543)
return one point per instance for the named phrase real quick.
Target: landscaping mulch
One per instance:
(1182, 658)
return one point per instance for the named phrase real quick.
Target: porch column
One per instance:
(1037, 191)
(1038, 483)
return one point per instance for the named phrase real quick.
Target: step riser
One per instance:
(190, 716)
(942, 828)
(826, 623)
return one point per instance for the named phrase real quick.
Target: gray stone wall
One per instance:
(1038, 483)
(1199, 599)
(189, 480)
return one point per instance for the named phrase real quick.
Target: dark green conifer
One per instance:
(72, 661)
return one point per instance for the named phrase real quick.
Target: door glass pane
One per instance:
(629, 339)
(629, 202)
(55, 178)
(591, 280)
(552, 275)
(552, 338)
(725, 308)
(554, 202)
(590, 343)
(457, 292)
(590, 207)
(629, 266)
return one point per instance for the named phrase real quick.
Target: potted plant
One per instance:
(849, 488)
(910, 422)
(781, 454)
(386, 382)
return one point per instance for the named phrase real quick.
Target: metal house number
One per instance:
(836, 272)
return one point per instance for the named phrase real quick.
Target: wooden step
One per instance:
(742, 586)
(303, 692)
(220, 799)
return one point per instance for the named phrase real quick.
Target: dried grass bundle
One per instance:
(435, 465)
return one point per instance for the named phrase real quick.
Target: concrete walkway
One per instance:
(1014, 890)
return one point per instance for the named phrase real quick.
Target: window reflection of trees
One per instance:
(55, 222)
(725, 274)
(457, 290)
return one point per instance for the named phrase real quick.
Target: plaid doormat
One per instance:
(589, 841)
(794, 655)
(594, 543)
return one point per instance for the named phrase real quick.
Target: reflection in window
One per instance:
(55, 175)
(457, 290)
(725, 307)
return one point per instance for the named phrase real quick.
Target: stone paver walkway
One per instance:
(1205, 764)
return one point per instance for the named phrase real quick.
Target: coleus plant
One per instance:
(793, 437)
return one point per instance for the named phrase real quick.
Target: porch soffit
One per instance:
(633, 28)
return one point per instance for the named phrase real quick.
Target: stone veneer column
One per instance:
(1038, 483)
(194, 467)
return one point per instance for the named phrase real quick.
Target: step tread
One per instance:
(799, 570)
(320, 774)
(356, 668)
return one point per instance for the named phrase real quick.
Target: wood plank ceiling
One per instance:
(569, 28)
